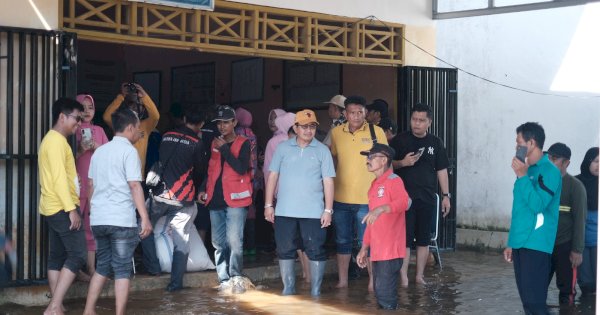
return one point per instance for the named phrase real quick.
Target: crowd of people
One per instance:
(554, 224)
(375, 186)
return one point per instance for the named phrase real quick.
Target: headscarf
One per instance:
(283, 123)
(589, 180)
(80, 98)
(244, 117)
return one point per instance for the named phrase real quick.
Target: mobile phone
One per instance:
(521, 153)
(86, 134)
(420, 151)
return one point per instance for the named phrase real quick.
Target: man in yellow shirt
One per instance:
(59, 201)
(134, 96)
(353, 180)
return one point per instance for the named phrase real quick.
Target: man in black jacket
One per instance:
(183, 157)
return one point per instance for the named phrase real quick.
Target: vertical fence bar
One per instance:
(20, 157)
(33, 117)
(9, 133)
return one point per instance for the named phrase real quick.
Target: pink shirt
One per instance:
(387, 236)
(83, 160)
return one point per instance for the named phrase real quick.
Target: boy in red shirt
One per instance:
(386, 227)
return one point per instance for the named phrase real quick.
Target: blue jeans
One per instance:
(228, 240)
(68, 247)
(347, 220)
(312, 237)
(114, 249)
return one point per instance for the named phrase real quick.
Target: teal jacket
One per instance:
(536, 198)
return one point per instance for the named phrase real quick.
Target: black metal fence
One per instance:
(36, 67)
(437, 88)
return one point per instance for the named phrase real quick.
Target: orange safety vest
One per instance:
(237, 189)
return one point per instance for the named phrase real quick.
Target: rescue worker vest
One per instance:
(237, 189)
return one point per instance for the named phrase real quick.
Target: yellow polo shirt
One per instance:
(58, 176)
(353, 180)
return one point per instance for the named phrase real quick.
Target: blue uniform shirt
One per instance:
(301, 172)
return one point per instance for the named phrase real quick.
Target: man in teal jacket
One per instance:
(536, 198)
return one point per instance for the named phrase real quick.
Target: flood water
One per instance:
(470, 283)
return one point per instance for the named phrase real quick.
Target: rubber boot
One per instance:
(288, 276)
(178, 268)
(317, 269)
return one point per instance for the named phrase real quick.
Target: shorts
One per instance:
(419, 222)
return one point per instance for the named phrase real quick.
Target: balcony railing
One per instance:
(235, 28)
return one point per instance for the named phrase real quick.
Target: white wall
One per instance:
(413, 12)
(524, 50)
(22, 13)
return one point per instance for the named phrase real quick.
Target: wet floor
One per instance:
(470, 283)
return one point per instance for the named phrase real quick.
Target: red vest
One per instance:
(237, 189)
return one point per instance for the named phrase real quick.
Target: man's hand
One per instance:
(202, 197)
(361, 258)
(270, 214)
(576, 259)
(445, 206)
(75, 219)
(141, 91)
(372, 216)
(325, 219)
(219, 142)
(410, 159)
(508, 254)
(519, 167)
(146, 228)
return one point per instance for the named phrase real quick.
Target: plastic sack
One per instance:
(198, 259)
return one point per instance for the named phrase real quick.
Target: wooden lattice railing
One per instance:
(235, 28)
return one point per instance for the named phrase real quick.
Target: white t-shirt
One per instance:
(113, 165)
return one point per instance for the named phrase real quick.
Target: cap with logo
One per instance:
(305, 117)
(380, 148)
(224, 112)
(560, 150)
(338, 101)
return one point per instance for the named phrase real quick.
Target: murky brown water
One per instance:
(471, 283)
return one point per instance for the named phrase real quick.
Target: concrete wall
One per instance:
(24, 13)
(523, 50)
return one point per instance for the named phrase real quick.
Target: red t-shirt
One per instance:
(387, 236)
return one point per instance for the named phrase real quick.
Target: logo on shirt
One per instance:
(430, 150)
(380, 191)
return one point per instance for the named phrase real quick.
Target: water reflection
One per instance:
(471, 283)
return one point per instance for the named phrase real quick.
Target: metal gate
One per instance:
(36, 68)
(437, 88)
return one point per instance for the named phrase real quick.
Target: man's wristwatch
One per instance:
(447, 195)
(330, 211)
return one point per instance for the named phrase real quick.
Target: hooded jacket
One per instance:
(283, 123)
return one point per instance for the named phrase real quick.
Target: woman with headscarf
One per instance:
(243, 128)
(89, 138)
(586, 275)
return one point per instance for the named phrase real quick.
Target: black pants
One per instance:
(532, 269)
(313, 237)
(561, 265)
(385, 282)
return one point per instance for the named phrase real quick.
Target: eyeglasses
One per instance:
(372, 156)
(307, 127)
(77, 117)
